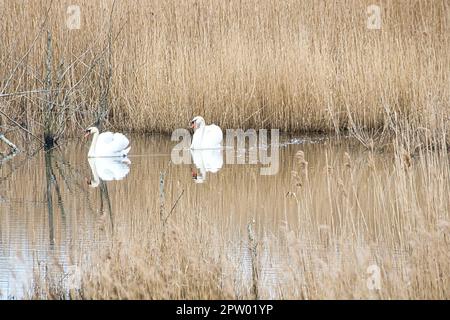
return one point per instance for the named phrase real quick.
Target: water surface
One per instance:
(57, 207)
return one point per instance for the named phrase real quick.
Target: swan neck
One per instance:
(201, 130)
(200, 127)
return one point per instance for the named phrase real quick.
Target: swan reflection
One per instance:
(206, 161)
(108, 169)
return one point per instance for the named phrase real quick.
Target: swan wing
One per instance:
(208, 137)
(213, 135)
(109, 143)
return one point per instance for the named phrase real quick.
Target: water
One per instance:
(58, 207)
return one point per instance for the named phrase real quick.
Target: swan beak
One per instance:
(87, 134)
(192, 124)
(194, 175)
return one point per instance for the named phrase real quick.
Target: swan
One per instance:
(108, 169)
(205, 137)
(107, 144)
(206, 161)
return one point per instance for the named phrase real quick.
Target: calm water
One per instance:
(55, 208)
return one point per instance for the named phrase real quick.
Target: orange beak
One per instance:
(87, 134)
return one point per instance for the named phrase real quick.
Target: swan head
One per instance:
(197, 122)
(90, 130)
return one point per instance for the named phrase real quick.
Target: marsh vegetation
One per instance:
(294, 65)
(334, 211)
(358, 209)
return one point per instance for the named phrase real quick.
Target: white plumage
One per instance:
(206, 161)
(205, 137)
(108, 144)
(108, 169)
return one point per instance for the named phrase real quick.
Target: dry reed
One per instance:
(356, 213)
(293, 65)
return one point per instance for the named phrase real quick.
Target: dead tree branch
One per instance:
(13, 147)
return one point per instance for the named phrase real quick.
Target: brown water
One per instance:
(54, 210)
(82, 213)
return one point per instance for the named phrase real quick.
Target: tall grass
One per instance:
(294, 65)
(332, 219)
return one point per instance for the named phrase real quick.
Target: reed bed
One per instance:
(346, 215)
(293, 65)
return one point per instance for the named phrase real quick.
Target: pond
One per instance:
(59, 207)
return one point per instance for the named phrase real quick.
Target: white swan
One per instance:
(206, 161)
(107, 144)
(108, 169)
(205, 137)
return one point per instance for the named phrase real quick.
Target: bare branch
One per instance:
(9, 143)
(18, 124)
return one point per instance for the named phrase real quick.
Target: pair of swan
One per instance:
(108, 144)
(108, 151)
(117, 168)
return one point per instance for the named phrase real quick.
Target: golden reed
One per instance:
(294, 65)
